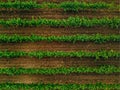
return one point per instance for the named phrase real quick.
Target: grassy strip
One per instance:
(42, 54)
(96, 38)
(41, 86)
(70, 22)
(67, 6)
(62, 70)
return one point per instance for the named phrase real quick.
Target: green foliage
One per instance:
(62, 70)
(70, 22)
(19, 4)
(96, 38)
(42, 54)
(12, 54)
(42, 86)
(67, 6)
(70, 6)
(75, 6)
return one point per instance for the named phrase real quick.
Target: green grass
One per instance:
(67, 6)
(41, 86)
(43, 54)
(106, 69)
(69, 22)
(96, 38)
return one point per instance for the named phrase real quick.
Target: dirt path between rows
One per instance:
(57, 31)
(57, 13)
(59, 46)
(60, 14)
(55, 62)
(62, 79)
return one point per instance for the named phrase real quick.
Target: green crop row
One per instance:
(19, 5)
(106, 69)
(42, 54)
(96, 38)
(71, 21)
(75, 6)
(41, 86)
(67, 6)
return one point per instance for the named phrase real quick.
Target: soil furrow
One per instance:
(62, 79)
(57, 31)
(59, 46)
(55, 62)
(58, 13)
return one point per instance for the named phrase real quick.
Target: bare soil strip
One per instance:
(59, 46)
(28, 62)
(60, 14)
(57, 13)
(57, 31)
(61, 79)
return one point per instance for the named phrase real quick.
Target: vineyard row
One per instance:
(66, 6)
(105, 69)
(42, 54)
(96, 38)
(71, 21)
(41, 86)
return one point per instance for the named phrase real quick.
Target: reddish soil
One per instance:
(57, 13)
(55, 62)
(62, 79)
(59, 46)
(57, 31)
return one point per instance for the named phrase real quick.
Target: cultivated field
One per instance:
(59, 45)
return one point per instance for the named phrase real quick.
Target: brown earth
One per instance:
(60, 14)
(57, 31)
(57, 13)
(55, 62)
(59, 46)
(62, 79)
